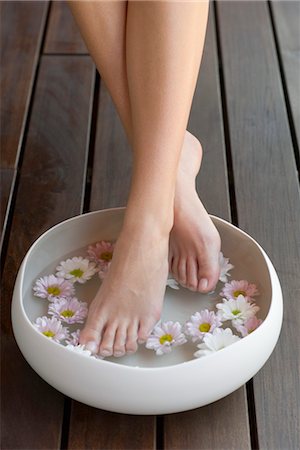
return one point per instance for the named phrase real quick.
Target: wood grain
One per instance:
(22, 27)
(207, 427)
(6, 181)
(105, 430)
(49, 191)
(287, 20)
(268, 202)
(63, 35)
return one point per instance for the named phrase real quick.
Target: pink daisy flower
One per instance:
(165, 336)
(101, 252)
(236, 288)
(201, 323)
(51, 328)
(53, 288)
(248, 326)
(74, 339)
(69, 310)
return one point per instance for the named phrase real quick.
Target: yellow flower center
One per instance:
(237, 293)
(166, 338)
(204, 327)
(49, 333)
(235, 312)
(77, 273)
(53, 290)
(106, 256)
(67, 313)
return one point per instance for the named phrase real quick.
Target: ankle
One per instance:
(143, 223)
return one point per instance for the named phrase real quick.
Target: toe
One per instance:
(144, 331)
(120, 340)
(132, 336)
(208, 276)
(90, 335)
(107, 343)
(192, 273)
(175, 267)
(182, 271)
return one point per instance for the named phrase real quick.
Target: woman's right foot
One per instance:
(194, 240)
(129, 301)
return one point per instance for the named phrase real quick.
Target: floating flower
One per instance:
(166, 336)
(102, 270)
(79, 349)
(52, 328)
(201, 323)
(101, 252)
(238, 310)
(53, 288)
(236, 288)
(74, 339)
(172, 283)
(69, 310)
(248, 326)
(76, 269)
(213, 342)
(225, 266)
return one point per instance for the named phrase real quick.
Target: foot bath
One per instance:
(144, 383)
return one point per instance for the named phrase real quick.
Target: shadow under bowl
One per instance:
(144, 383)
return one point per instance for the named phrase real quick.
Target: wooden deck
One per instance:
(64, 152)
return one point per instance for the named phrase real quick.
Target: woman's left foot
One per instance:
(195, 243)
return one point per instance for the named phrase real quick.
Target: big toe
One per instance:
(208, 274)
(90, 337)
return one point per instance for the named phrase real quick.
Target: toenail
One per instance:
(118, 353)
(105, 352)
(141, 341)
(130, 352)
(203, 284)
(92, 346)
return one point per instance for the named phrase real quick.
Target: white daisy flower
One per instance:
(166, 336)
(76, 269)
(201, 323)
(238, 310)
(74, 338)
(79, 349)
(82, 350)
(52, 328)
(213, 342)
(53, 288)
(69, 310)
(225, 266)
(172, 283)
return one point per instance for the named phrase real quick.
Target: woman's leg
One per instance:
(194, 242)
(155, 134)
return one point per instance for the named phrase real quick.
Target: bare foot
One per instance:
(194, 240)
(129, 301)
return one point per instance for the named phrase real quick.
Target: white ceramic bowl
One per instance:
(144, 383)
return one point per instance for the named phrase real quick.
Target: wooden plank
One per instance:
(287, 20)
(268, 203)
(63, 35)
(110, 185)
(50, 190)
(207, 427)
(22, 27)
(6, 181)
(93, 428)
(112, 158)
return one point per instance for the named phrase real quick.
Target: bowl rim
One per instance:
(99, 361)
